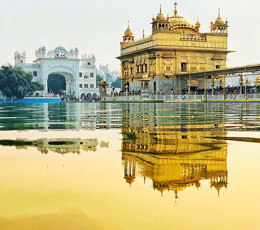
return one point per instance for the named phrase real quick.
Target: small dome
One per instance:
(129, 179)
(160, 17)
(60, 48)
(103, 83)
(219, 21)
(197, 25)
(128, 32)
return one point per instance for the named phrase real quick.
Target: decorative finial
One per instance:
(219, 13)
(175, 8)
(160, 8)
(128, 24)
(226, 21)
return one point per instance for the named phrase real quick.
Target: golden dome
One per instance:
(219, 20)
(160, 16)
(128, 32)
(197, 24)
(177, 20)
(257, 81)
(128, 35)
(129, 179)
(103, 83)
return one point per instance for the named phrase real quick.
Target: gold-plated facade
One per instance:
(175, 46)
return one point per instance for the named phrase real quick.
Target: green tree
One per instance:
(117, 83)
(15, 82)
(36, 86)
(98, 80)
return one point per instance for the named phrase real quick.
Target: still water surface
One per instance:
(129, 166)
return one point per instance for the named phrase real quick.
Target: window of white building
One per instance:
(80, 74)
(91, 85)
(91, 74)
(80, 85)
(86, 76)
(86, 86)
(35, 73)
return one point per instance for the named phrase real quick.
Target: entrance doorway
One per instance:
(56, 84)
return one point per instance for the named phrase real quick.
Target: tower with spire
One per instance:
(219, 26)
(128, 35)
(160, 22)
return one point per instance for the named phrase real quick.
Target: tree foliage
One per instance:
(98, 80)
(15, 82)
(117, 83)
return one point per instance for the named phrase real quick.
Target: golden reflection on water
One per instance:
(80, 179)
(176, 159)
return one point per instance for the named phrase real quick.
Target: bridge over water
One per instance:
(253, 69)
(214, 95)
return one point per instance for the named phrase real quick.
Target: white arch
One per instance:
(69, 75)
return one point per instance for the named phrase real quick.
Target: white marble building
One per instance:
(79, 74)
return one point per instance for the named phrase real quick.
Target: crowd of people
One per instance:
(195, 91)
(83, 98)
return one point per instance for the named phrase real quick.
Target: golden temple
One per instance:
(175, 46)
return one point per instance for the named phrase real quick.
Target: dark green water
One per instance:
(235, 116)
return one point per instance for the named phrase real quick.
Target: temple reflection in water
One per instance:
(58, 145)
(175, 157)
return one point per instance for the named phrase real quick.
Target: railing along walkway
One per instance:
(184, 98)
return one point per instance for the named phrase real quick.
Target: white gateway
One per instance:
(60, 70)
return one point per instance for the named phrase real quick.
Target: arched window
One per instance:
(218, 66)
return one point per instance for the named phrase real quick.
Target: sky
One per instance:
(96, 27)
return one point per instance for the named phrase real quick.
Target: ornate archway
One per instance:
(68, 76)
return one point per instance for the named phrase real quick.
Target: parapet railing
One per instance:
(193, 38)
